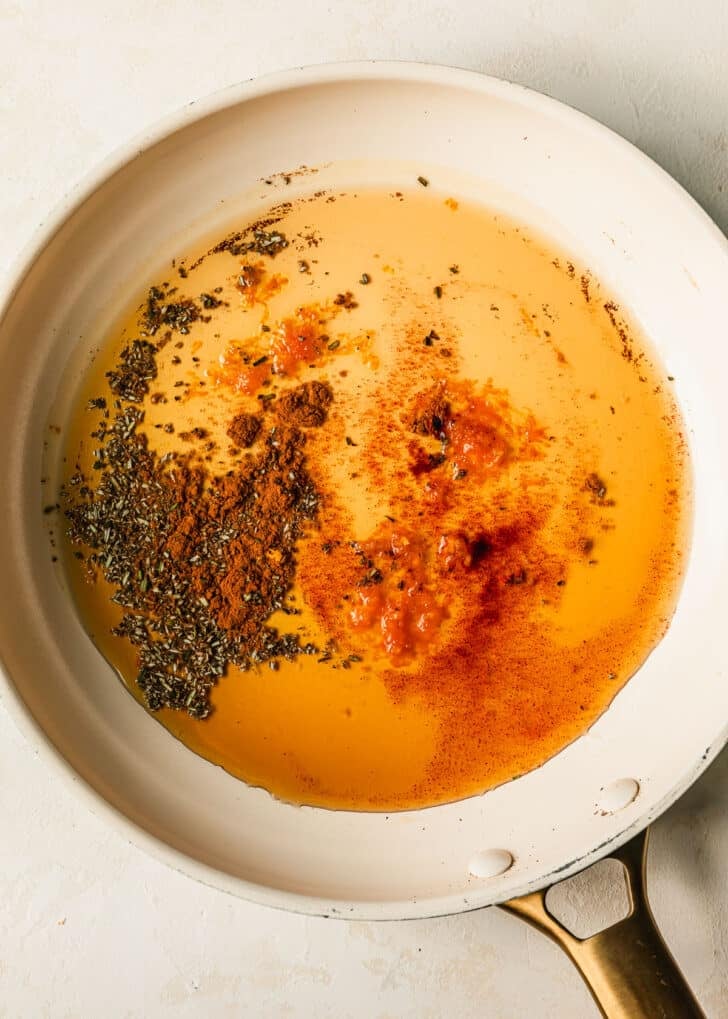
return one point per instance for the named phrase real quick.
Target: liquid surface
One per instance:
(501, 522)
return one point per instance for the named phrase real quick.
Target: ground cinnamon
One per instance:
(199, 562)
(243, 429)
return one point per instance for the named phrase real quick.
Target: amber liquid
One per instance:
(486, 698)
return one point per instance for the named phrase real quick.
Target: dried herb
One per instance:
(263, 242)
(159, 311)
(182, 549)
(136, 369)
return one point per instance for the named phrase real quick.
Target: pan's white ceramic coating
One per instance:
(570, 178)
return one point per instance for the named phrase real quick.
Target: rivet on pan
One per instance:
(618, 795)
(490, 863)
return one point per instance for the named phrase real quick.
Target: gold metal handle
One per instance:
(628, 967)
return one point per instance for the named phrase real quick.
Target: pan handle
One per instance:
(628, 967)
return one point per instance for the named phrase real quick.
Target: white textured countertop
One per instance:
(89, 926)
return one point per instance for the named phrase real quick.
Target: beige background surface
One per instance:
(88, 925)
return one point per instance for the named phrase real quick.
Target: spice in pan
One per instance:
(136, 369)
(359, 482)
(243, 429)
(346, 300)
(177, 315)
(199, 562)
(306, 406)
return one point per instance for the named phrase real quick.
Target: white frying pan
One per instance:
(652, 246)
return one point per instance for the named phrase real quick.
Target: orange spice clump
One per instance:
(295, 342)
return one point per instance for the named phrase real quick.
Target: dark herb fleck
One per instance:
(136, 369)
(177, 315)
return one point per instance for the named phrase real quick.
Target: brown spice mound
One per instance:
(198, 563)
(243, 430)
(306, 406)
